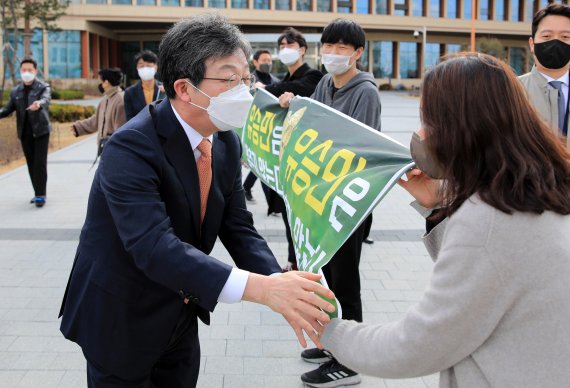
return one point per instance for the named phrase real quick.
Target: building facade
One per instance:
(95, 34)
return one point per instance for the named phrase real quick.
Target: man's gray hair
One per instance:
(191, 42)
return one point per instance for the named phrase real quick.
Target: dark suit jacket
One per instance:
(134, 98)
(142, 250)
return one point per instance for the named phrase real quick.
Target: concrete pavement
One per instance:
(247, 345)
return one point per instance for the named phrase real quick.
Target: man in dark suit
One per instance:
(169, 184)
(148, 89)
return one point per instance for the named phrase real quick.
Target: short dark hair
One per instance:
(190, 43)
(344, 31)
(29, 60)
(483, 130)
(551, 9)
(113, 75)
(147, 56)
(258, 53)
(292, 35)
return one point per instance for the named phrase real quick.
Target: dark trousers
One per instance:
(177, 367)
(249, 181)
(36, 151)
(367, 226)
(343, 275)
(290, 247)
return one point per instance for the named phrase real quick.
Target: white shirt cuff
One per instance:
(234, 287)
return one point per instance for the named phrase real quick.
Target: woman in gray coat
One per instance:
(496, 310)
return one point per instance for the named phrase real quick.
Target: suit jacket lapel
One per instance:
(140, 94)
(179, 153)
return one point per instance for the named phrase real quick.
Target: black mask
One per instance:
(553, 54)
(424, 161)
(265, 68)
(100, 87)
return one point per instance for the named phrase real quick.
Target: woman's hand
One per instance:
(425, 190)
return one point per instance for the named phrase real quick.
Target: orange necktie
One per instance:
(204, 165)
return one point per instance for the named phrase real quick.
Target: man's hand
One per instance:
(425, 190)
(34, 106)
(285, 99)
(293, 295)
(73, 131)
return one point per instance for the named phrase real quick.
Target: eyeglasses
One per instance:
(234, 80)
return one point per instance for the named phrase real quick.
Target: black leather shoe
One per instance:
(368, 241)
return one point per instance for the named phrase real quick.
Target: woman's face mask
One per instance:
(265, 68)
(289, 56)
(146, 73)
(337, 64)
(423, 159)
(229, 109)
(553, 54)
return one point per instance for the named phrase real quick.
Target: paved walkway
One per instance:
(247, 345)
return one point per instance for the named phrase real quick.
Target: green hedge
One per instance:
(68, 113)
(65, 94)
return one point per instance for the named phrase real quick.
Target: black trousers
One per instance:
(36, 151)
(343, 275)
(177, 367)
(249, 181)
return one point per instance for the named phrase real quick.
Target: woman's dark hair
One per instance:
(113, 75)
(551, 9)
(481, 127)
(344, 31)
(147, 56)
(258, 53)
(292, 36)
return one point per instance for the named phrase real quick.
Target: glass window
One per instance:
(128, 52)
(382, 59)
(362, 6)
(283, 4)
(363, 61)
(499, 9)
(452, 48)
(123, 2)
(467, 8)
(417, 7)
(434, 8)
(261, 4)
(239, 3)
(452, 9)
(146, 2)
(170, 3)
(515, 7)
(303, 5)
(343, 6)
(75, 2)
(517, 59)
(217, 3)
(324, 6)
(400, 7)
(36, 46)
(484, 9)
(193, 3)
(64, 50)
(382, 7)
(432, 55)
(96, 1)
(408, 60)
(528, 10)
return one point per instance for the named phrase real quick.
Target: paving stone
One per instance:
(41, 379)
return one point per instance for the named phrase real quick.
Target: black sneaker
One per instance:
(248, 196)
(40, 201)
(330, 374)
(315, 355)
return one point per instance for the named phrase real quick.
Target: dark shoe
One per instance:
(248, 196)
(33, 200)
(40, 201)
(316, 356)
(330, 374)
(368, 241)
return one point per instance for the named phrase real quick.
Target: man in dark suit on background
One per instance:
(169, 183)
(148, 89)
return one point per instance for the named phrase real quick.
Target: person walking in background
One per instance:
(547, 83)
(148, 89)
(110, 113)
(300, 80)
(168, 186)
(263, 63)
(496, 310)
(30, 100)
(354, 93)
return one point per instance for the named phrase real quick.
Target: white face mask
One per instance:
(336, 64)
(146, 73)
(27, 76)
(229, 109)
(289, 56)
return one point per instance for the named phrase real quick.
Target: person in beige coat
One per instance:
(547, 82)
(496, 310)
(110, 113)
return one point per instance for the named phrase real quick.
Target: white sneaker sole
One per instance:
(337, 383)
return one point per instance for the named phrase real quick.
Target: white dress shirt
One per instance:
(235, 285)
(564, 79)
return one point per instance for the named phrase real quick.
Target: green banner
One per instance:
(330, 169)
